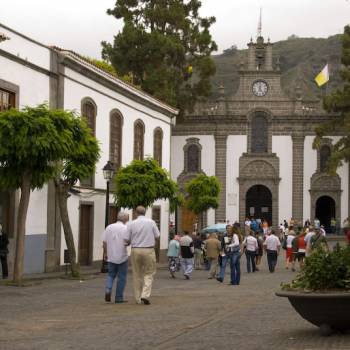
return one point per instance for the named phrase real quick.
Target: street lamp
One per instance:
(108, 172)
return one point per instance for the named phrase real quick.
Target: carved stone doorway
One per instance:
(259, 203)
(325, 211)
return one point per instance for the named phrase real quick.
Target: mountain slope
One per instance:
(301, 59)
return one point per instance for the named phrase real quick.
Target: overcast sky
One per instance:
(81, 25)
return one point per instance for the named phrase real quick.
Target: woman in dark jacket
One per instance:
(4, 242)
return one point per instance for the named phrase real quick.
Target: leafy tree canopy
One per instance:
(80, 161)
(142, 183)
(31, 142)
(203, 193)
(164, 42)
(339, 104)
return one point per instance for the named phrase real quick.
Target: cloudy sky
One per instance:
(81, 25)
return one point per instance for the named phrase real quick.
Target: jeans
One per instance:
(187, 266)
(224, 260)
(235, 265)
(272, 259)
(250, 255)
(4, 267)
(114, 270)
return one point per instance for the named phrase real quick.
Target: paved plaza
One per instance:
(197, 314)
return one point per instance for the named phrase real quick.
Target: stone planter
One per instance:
(329, 311)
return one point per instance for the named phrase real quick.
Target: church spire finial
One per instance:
(260, 24)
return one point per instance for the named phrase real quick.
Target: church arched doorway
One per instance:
(325, 211)
(259, 203)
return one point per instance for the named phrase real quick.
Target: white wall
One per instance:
(107, 100)
(283, 147)
(33, 90)
(310, 167)
(131, 111)
(26, 48)
(236, 145)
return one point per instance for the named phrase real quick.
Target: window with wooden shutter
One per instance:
(193, 153)
(158, 145)
(115, 144)
(139, 131)
(7, 100)
(89, 111)
(259, 134)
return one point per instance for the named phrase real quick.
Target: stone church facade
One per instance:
(258, 142)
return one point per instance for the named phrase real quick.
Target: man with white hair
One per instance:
(142, 234)
(115, 253)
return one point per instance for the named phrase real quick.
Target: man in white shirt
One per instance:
(307, 239)
(272, 247)
(114, 251)
(142, 234)
(250, 244)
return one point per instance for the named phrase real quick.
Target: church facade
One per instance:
(258, 142)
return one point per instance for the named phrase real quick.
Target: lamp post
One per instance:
(108, 172)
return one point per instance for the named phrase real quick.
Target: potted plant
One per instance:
(321, 291)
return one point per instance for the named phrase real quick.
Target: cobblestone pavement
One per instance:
(197, 314)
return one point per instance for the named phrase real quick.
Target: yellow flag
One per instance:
(323, 77)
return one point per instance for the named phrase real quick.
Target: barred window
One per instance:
(115, 144)
(139, 131)
(259, 134)
(193, 154)
(325, 153)
(7, 100)
(158, 145)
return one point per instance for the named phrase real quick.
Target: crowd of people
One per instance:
(213, 251)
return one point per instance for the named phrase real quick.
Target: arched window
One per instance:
(115, 140)
(158, 145)
(193, 154)
(139, 131)
(325, 153)
(88, 111)
(259, 134)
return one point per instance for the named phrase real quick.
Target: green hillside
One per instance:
(301, 59)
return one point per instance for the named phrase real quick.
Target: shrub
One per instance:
(324, 271)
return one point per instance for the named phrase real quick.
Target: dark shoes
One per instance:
(187, 277)
(108, 297)
(145, 301)
(219, 279)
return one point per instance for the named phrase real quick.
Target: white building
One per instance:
(258, 141)
(128, 123)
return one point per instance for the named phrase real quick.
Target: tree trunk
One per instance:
(21, 228)
(62, 192)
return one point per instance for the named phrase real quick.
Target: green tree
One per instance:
(78, 163)
(31, 142)
(338, 104)
(166, 46)
(36, 145)
(202, 194)
(142, 183)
